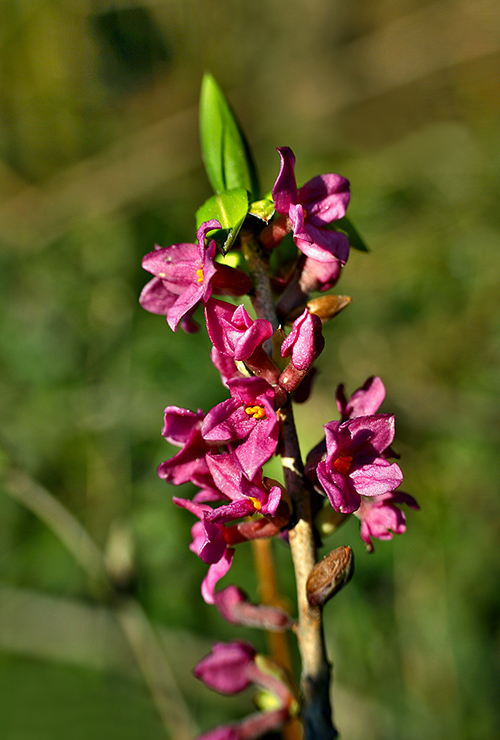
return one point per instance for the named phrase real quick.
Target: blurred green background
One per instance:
(99, 160)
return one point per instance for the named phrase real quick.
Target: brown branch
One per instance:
(315, 677)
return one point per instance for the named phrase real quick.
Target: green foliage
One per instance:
(347, 227)
(228, 160)
(230, 208)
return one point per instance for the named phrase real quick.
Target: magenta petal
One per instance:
(325, 198)
(185, 302)
(173, 264)
(377, 478)
(230, 512)
(225, 365)
(273, 500)
(285, 188)
(180, 424)
(365, 401)
(305, 342)
(324, 245)
(155, 297)
(258, 448)
(369, 434)
(341, 496)
(215, 573)
(226, 668)
(227, 422)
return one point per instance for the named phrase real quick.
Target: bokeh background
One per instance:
(99, 160)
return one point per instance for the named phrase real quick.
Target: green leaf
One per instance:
(346, 227)
(262, 209)
(230, 209)
(224, 148)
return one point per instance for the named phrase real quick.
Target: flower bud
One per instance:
(304, 343)
(328, 306)
(228, 669)
(330, 575)
(235, 607)
(320, 276)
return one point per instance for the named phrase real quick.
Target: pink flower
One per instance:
(354, 463)
(235, 334)
(183, 429)
(381, 518)
(229, 668)
(248, 419)
(234, 666)
(311, 208)
(304, 344)
(365, 401)
(211, 539)
(185, 275)
(232, 331)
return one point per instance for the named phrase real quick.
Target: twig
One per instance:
(315, 677)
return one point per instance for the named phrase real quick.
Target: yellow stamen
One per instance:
(257, 412)
(343, 464)
(256, 503)
(199, 275)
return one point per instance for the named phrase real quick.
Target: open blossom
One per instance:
(248, 419)
(234, 666)
(364, 401)
(311, 208)
(212, 540)
(354, 462)
(183, 429)
(185, 275)
(381, 516)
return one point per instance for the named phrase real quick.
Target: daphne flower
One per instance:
(311, 208)
(381, 518)
(364, 401)
(304, 344)
(354, 463)
(232, 667)
(183, 429)
(185, 275)
(247, 418)
(233, 332)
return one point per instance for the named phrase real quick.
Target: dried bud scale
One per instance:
(330, 575)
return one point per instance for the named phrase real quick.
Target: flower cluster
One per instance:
(223, 452)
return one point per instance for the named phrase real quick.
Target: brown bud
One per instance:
(328, 306)
(330, 575)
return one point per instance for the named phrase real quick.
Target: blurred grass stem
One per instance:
(134, 623)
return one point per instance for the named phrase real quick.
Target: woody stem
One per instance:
(315, 677)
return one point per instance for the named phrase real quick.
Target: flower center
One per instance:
(199, 274)
(257, 412)
(343, 464)
(256, 503)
